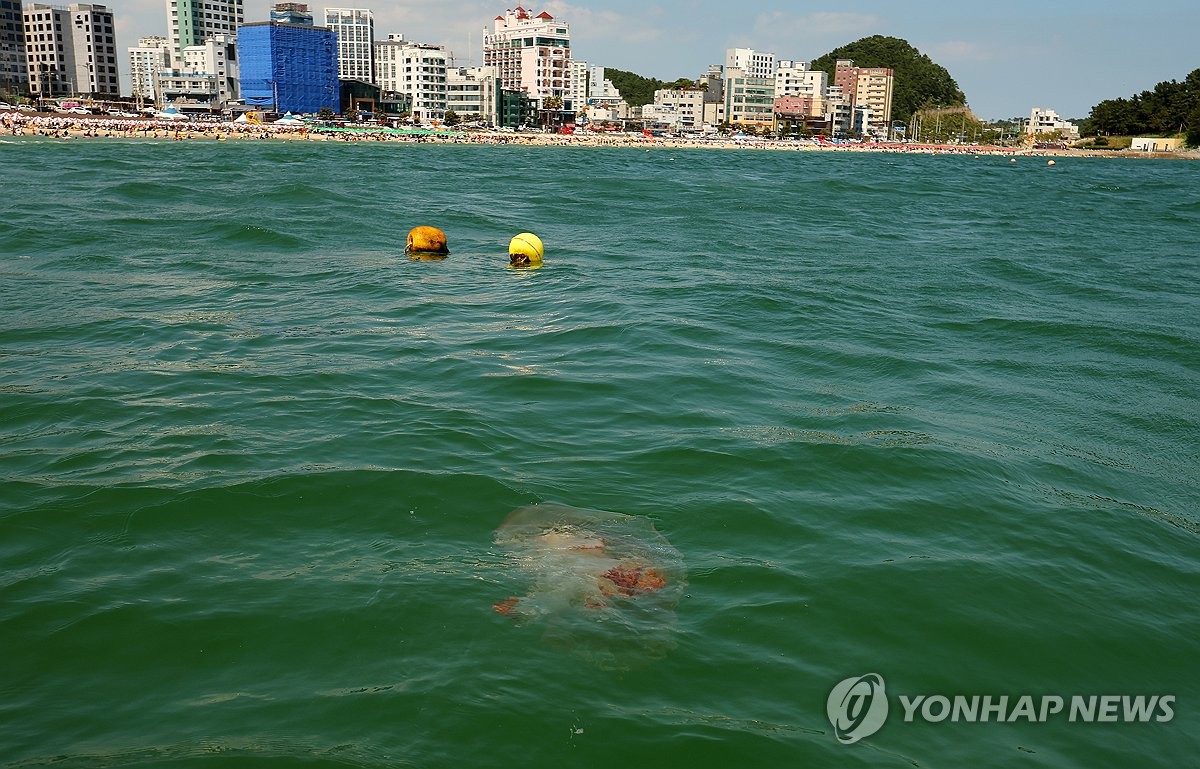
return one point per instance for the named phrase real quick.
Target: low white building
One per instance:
(1047, 121)
(1154, 144)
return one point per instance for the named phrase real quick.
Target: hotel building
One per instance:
(532, 54)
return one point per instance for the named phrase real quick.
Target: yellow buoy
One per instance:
(426, 243)
(1049, 162)
(526, 250)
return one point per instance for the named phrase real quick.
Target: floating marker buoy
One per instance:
(1049, 162)
(1012, 160)
(526, 250)
(426, 243)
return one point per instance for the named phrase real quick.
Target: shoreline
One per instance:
(65, 128)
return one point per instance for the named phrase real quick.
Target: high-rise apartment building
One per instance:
(149, 57)
(532, 54)
(70, 51)
(415, 69)
(866, 88)
(93, 36)
(191, 22)
(14, 68)
(355, 30)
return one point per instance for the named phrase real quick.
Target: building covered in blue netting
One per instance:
(288, 67)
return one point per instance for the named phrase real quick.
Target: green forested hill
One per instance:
(919, 81)
(638, 90)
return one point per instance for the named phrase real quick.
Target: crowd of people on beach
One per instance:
(65, 127)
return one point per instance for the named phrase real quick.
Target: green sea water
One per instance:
(934, 418)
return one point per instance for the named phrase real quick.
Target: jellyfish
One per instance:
(604, 584)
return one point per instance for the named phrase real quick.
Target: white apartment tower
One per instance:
(191, 22)
(355, 29)
(415, 69)
(752, 63)
(149, 56)
(531, 54)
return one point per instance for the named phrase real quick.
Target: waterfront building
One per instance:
(1047, 121)
(149, 57)
(292, 13)
(14, 66)
(355, 30)
(471, 93)
(749, 101)
(532, 54)
(191, 22)
(70, 51)
(415, 69)
(756, 64)
(288, 67)
(869, 87)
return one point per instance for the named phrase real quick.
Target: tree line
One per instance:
(1171, 108)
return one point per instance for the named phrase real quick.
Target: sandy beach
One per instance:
(81, 127)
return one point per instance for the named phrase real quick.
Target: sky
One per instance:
(1007, 57)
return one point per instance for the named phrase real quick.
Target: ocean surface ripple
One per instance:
(936, 418)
